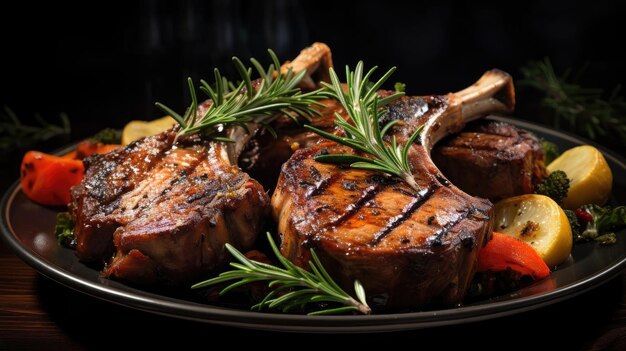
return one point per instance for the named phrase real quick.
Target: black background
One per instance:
(106, 63)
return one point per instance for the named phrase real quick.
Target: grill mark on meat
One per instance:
(121, 178)
(386, 243)
(354, 207)
(407, 212)
(315, 174)
(210, 187)
(441, 179)
(182, 175)
(510, 157)
(173, 182)
(208, 193)
(437, 238)
(403, 191)
(324, 184)
(183, 230)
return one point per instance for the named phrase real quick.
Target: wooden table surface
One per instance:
(38, 313)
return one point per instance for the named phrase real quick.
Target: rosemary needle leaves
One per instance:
(275, 92)
(15, 135)
(293, 287)
(365, 107)
(579, 109)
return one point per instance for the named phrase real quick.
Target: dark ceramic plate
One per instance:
(27, 229)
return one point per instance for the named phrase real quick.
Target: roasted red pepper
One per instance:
(505, 252)
(47, 179)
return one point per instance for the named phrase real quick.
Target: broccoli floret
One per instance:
(108, 136)
(550, 151)
(554, 186)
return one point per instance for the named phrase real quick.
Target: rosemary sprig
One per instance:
(293, 287)
(15, 134)
(581, 110)
(365, 108)
(245, 103)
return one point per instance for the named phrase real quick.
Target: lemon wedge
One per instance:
(135, 130)
(590, 175)
(538, 221)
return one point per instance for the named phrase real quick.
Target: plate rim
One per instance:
(184, 309)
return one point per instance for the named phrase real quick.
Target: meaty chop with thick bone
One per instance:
(407, 249)
(165, 209)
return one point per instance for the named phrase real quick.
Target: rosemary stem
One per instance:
(363, 131)
(363, 309)
(291, 286)
(247, 102)
(410, 181)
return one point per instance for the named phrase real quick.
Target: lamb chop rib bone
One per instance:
(492, 93)
(407, 249)
(315, 60)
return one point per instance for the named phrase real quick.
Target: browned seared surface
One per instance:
(166, 211)
(490, 159)
(107, 177)
(408, 249)
(264, 155)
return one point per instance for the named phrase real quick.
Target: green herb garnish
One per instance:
(399, 87)
(364, 134)
(14, 134)
(293, 287)
(246, 103)
(550, 151)
(573, 222)
(603, 224)
(588, 112)
(64, 229)
(108, 136)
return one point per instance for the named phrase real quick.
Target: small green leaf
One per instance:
(399, 87)
(64, 228)
(360, 291)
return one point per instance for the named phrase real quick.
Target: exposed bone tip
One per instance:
(316, 60)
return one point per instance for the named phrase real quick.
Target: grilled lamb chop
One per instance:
(408, 249)
(167, 211)
(511, 158)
